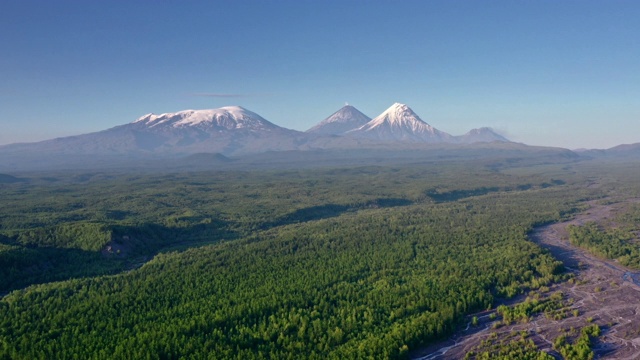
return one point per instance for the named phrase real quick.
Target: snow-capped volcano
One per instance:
(400, 123)
(341, 121)
(227, 130)
(228, 117)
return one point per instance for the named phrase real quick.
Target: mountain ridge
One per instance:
(234, 130)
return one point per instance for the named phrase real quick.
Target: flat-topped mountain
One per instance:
(223, 119)
(227, 130)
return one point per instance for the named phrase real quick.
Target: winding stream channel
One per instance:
(603, 292)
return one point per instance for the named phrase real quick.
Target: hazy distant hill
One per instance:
(625, 149)
(483, 134)
(620, 151)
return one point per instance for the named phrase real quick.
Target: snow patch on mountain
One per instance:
(402, 117)
(400, 123)
(228, 117)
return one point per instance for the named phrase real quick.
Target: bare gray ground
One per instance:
(603, 292)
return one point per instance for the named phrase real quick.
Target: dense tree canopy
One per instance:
(339, 263)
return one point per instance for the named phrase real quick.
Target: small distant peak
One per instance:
(483, 134)
(347, 109)
(345, 119)
(482, 130)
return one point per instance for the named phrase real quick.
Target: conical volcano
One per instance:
(343, 120)
(400, 123)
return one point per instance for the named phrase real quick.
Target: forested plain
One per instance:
(344, 262)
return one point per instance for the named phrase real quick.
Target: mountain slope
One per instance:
(625, 148)
(399, 123)
(621, 151)
(343, 120)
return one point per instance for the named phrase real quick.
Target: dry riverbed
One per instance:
(601, 292)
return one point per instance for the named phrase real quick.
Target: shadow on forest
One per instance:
(133, 245)
(24, 266)
(332, 210)
(569, 258)
(455, 195)
(8, 179)
(129, 248)
(150, 238)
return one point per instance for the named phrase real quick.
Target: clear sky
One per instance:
(544, 72)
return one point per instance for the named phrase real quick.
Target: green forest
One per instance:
(367, 262)
(615, 239)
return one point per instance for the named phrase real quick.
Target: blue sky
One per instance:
(558, 73)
